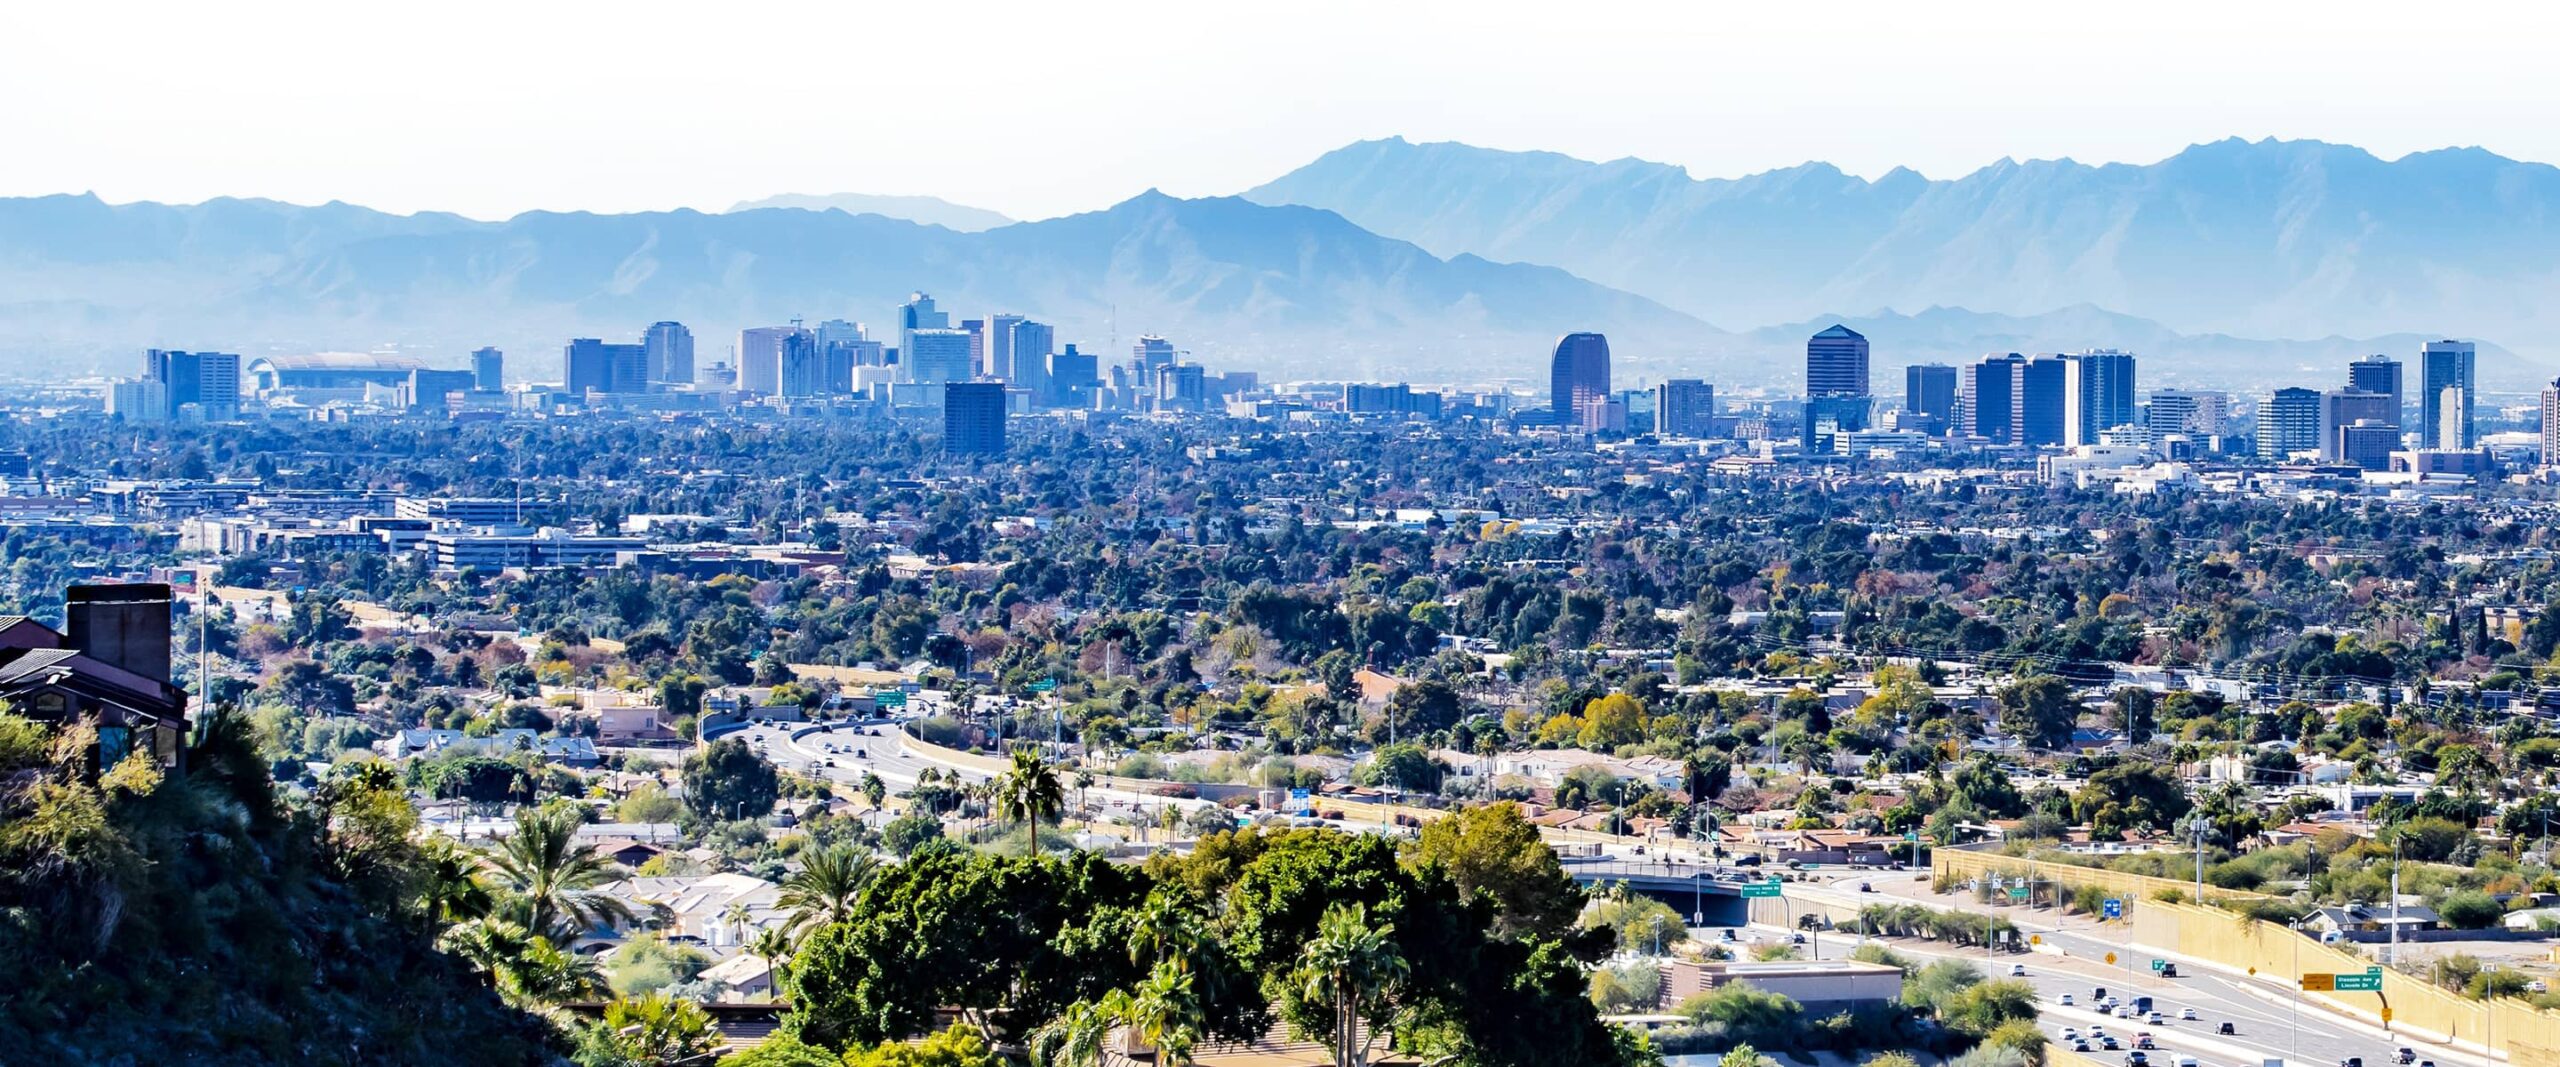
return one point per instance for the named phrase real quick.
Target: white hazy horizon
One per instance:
(1038, 110)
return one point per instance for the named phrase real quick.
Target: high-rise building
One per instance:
(1684, 407)
(977, 331)
(918, 313)
(2551, 424)
(1987, 397)
(1835, 363)
(1579, 375)
(1073, 377)
(429, 390)
(760, 357)
(2289, 423)
(1026, 351)
(2379, 373)
(935, 355)
(1828, 416)
(670, 348)
(1149, 354)
(1929, 389)
(2192, 412)
(2448, 365)
(208, 380)
(2042, 401)
(804, 370)
(1000, 347)
(2342, 408)
(2097, 394)
(1182, 387)
(489, 370)
(590, 365)
(973, 418)
(2368, 444)
(138, 400)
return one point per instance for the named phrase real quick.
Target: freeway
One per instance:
(842, 751)
(2272, 1020)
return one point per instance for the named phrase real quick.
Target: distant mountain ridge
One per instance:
(2266, 238)
(929, 210)
(1285, 290)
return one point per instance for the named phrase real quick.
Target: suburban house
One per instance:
(2373, 922)
(108, 668)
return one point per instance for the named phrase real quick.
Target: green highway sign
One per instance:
(1769, 888)
(890, 698)
(1044, 685)
(2156, 965)
(2359, 983)
(2018, 892)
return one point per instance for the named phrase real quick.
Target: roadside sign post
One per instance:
(2112, 909)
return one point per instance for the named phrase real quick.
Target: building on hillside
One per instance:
(108, 668)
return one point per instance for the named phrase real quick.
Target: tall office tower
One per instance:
(2042, 401)
(977, 331)
(1000, 346)
(1579, 375)
(1930, 389)
(2195, 413)
(2097, 394)
(1026, 351)
(1684, 407)
(835, 367)
(1835, 363)
(1073, 376)
(489, 370)
(1150, 353)
(139, 400)
(2289, 423)
(2551, 424)
(208, 380)
(2342, 408)
(760, 357)
(803, 371)
(2379, 373)
(1987, 398)
(2443, 366)
(670, 348)
(590, 365)
(918, 313)
(935, 355)
(1182, 387)
(973, 418)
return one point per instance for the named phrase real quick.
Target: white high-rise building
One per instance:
(2097, 394)
(1030, 346)
(1000, 346)
(670, 353)
(936, 355)
(918, 313)
(760, 357)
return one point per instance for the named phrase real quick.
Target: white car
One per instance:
(2066, 1000)
(2017, 970)
(2187, 1014)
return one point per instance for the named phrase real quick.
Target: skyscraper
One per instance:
(1150, 353)
(977, 331)
(2344, 408)
(1987, 398)
(670, 348)
(591, 365)
(2446, 422)
(1073, 375)
(2289, 423)
(1027, 348)
(1684, 407)
(1929, 389)
(936, 355)
(2379, 373)
(1579, 375)
(2097, 394)
(1182, 387)
(208, 380)
(489, 370)
(2195, 413)
(2042, 401)
(760, 357)
(2551, 424)
(1000, 347)
(918, 313)
(1835, 363)
(973, 418)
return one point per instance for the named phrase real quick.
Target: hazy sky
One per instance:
(1046, 108)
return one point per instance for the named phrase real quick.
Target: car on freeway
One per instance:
(2143, 1040)
(2109, 1043)
(2099, 993)
(2187, 1014)
(2079, 1046)
(2071, 1033)
(2408, 1055)
(1866, 888)
(2156, 1019)
(2226, 1028)
(2066, 1000)
(2017, 970)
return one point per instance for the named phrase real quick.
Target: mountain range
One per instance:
(1287, 290)
(1397, 261)
(2267, 238)
(930, 210)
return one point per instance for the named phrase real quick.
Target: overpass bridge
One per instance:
(1707, 894)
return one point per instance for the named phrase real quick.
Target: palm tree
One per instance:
(1163, 1011)
(1076, 1036)
(450, 889)
(1352, 968)
(822, 891)
(736, 917)
(552, 877)
(1029, 793)
(525, 968)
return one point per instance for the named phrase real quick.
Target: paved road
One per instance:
(845, 750)
(2272, 1021)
